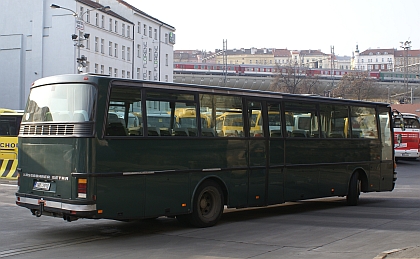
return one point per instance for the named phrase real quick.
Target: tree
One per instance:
(354, 85)
(294, 79)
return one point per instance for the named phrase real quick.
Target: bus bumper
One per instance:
(406, 154)
(67, 209)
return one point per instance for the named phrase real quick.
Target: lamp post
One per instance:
(81, 59)
(406, 46)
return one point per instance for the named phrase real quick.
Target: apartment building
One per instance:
(374, 59)
(38, 41)
(409, 57)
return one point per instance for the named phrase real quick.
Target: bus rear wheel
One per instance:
(207, 205)
(355, 187)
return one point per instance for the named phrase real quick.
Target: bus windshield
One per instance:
(61, 103)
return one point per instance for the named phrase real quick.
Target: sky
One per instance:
(291, 24)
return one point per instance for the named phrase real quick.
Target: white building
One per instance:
(38, 41)
(374, 59)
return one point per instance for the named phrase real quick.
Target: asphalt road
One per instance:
(321, 228)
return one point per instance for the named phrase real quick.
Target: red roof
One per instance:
(408, 108)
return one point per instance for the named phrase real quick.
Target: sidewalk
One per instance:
(8, 181)
(401, 253)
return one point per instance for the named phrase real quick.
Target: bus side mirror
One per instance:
(399, 138)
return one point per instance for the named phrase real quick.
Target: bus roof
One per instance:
(90, 78)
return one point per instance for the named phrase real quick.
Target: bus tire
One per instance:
(355, 186)
(207, 205)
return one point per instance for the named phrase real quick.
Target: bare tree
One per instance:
(354, 85)
(294, 79)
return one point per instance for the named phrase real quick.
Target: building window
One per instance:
(128, 31)
(110, 71)
(115, 72)
(102, 46)
(138, 50)
(128, 53)
(167, 60)
(103, 21)
(139, 27)
(150, 54)
(166, 78)
(88, 43)
(123, 53)
(138, 73)
(88, 16)
(150, 31)
(96, 44)
(96, 68)
(96, 19)
(110, 48)
(166, 38)
(123, 73)
(123, 29)
(144, 29)
(116, 27)
(110, 24)
(102, 69)
(156, 34)
(128, 74)
(116, 50)
(150, 75)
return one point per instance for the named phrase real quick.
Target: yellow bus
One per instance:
(9, 129)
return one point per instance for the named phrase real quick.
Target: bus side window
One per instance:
(124, 112)
(255, 119)
(305, 120)
(274, 120)
(364, 122)
(334, 121)
(221, 116)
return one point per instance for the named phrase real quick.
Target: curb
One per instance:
(390, 252)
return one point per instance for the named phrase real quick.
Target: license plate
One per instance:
(42, 186)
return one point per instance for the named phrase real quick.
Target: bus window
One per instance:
(224, 115)
(305, 120)
(255, 119)
(123, 117)
(334, 121)
(363, 122)
(54, 103)
(274, 120)
(386, 136)
(171, 114)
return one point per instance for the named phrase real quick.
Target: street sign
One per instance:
(80, 25)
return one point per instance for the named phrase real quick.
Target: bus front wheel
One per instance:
(207, 205)
(355, 187)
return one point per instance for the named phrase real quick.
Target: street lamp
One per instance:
(78, 39)
(406, 46)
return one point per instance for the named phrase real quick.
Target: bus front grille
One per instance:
(54, 130)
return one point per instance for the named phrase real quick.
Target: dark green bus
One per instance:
(99, 147)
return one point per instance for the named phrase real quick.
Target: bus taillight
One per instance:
(81, 188)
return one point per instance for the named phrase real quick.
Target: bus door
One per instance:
(256, 156)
